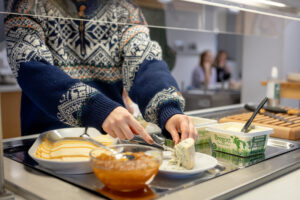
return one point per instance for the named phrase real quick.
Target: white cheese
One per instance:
(184, 154)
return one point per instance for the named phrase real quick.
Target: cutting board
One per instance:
(281, 129)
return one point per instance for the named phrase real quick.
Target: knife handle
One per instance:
(275, 109)
(293, 112)
(249, 107)
(282, 110)
(252, 108)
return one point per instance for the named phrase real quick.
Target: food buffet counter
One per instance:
(283, 157)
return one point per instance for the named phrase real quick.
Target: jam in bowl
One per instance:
(134, 169)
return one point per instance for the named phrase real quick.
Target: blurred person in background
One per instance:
(223, 71)
(205, 75)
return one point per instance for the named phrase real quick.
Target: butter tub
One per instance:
(238, 161)
(201, 124)
(228, 138)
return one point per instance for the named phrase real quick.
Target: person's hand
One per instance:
(120, 123)
(184, 125)
(127, 101)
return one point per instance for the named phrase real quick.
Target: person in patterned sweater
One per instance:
(72, 59)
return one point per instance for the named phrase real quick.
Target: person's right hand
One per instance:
(120, 123)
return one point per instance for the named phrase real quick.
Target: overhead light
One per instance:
(246, 9)
(259, 2)
(165, 1)
(247, 2)
(271, 3)
(233, 10)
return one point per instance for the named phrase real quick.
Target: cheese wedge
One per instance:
(184, 154)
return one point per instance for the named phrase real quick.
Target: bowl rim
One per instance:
(126, 145)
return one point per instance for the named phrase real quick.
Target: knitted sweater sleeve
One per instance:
(146, 76)
(48, 87)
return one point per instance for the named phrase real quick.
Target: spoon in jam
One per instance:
(87, 137)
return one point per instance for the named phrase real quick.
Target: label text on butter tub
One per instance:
(222, 139)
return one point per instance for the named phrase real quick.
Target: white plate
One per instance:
(64, 167)
(203, 162)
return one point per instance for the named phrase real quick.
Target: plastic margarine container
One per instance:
(228, 138)
(238, 161)
(201, 124)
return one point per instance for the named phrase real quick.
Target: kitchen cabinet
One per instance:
(10, 111)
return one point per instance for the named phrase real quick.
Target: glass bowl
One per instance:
(123, 174)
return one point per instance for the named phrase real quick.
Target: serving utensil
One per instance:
(245, 129)
(158, 142)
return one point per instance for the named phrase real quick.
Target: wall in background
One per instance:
(1, 22)
(4, 67)
(186, 62)
(259, 55)
(291, 48)
(291, 55)
(189, 44)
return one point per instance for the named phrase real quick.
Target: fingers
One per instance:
(109, 131)
(183, 124)
(195, 134)
(127, 131)
(174, 135)
(116, 124)
(123, 131)
(192, 130)
(112, 134)
(184, 128)
(140, 131)
(119, 133)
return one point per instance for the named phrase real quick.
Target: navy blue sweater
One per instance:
(72, 72)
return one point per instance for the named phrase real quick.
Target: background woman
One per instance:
(223, 71)
(205, 73)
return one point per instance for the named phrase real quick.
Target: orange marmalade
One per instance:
(123, 174)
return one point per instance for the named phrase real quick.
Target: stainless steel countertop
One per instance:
(286, 186)
(33, 184)
(240, 181)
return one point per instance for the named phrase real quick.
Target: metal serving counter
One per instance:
(231, 177)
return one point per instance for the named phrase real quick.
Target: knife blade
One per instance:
(252, 108)
(277, 117)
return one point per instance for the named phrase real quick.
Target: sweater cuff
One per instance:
(96, 110)
(167, 111)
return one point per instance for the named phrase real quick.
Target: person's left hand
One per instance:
(183, 124)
